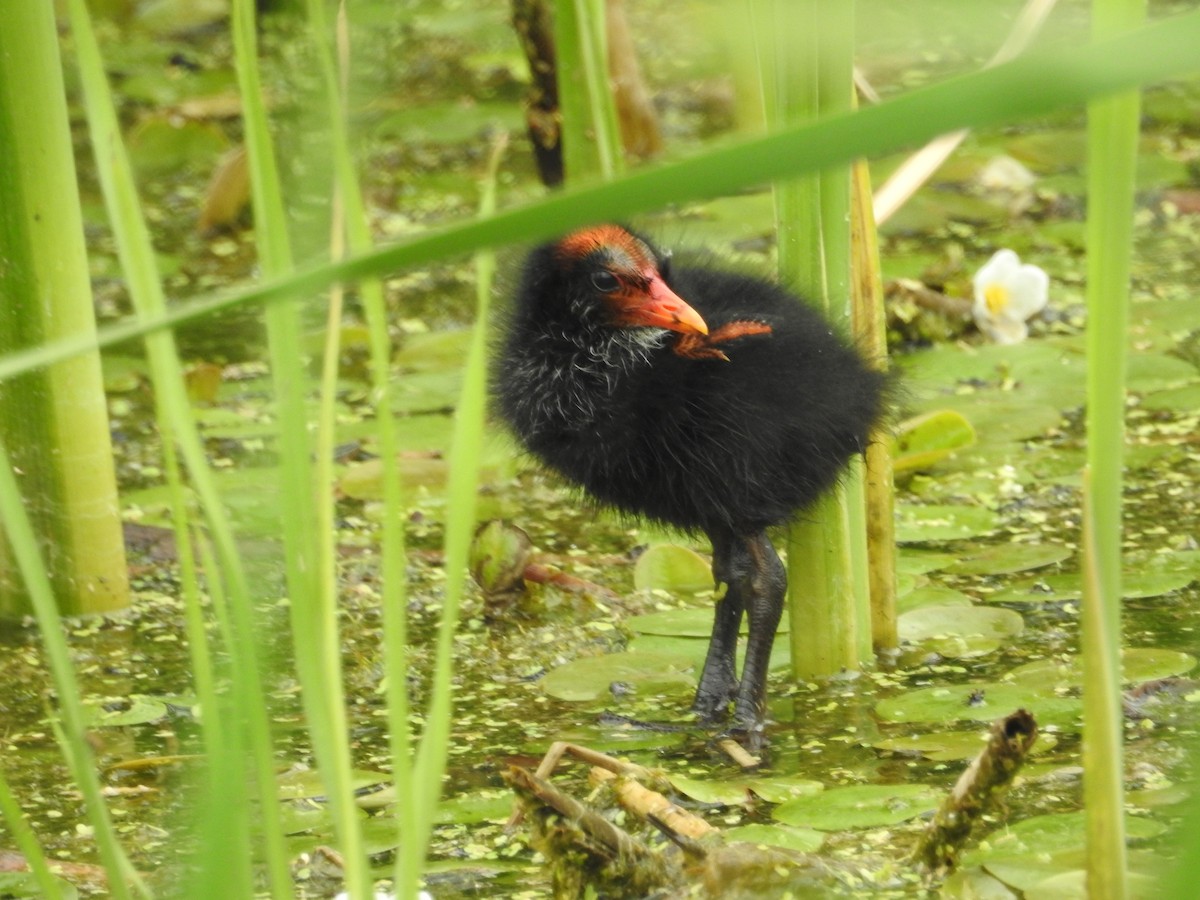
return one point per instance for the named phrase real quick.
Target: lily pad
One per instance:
(590, 677)
(858, 806)
(164, 143)
(302, 783)
(1006, 558)
(691, 622)
(780, 788)
(936, 522)
(945, 746)
(300, 816)
(696, 648)
(1072, 885)
(1157, 372)
(672, 568)
(1040, 836)
(960, 631)
(981, 703)
(470, 809)
(1069, 586)
(137, 709)
(800, 840)
(708, 790)
(1180, 398)
(1138, 664)
(930, 621)
(915, 561)
(999, 419)
(927, 439)
(931, 595)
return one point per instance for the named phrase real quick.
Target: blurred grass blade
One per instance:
(27, 842)
(1034, 84)
(919, 168)
(80, 759)
(177, 425)
(461, 494)
(410, 855)
(285, 351)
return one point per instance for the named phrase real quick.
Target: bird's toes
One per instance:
(711, 705)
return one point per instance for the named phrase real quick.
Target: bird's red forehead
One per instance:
(613, 238)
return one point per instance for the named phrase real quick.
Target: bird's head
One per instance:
(608, 275)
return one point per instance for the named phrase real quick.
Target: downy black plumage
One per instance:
(704, 398)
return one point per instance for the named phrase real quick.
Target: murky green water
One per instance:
(446, 75)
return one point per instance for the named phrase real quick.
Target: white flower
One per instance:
(1006, 294)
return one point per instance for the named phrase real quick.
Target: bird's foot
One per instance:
(752, 737)
(701, 346)
(749, 722)
(712, 706)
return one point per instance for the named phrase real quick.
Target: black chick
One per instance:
(725, 413)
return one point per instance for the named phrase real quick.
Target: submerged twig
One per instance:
(616, 841)
(978, 790)
(670, 818)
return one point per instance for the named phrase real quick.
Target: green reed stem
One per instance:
(1112, 162)
(812, 69)
(54, 421)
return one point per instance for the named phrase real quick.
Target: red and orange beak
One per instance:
(660, 307)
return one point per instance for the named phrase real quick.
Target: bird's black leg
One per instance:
(763, 583)
(718, 682)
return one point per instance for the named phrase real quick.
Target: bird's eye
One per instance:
(605, 281)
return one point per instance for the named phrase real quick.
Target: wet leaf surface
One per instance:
(857, 806)
(591, 677)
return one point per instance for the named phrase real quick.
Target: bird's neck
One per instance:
(569, 378)
(608, 354)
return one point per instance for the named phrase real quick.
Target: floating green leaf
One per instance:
(161, 143)
(591, 676)
(708, 790)
(695, 648)
(690, 622)
(924, 440)
(915, 561)
(934, 522)
(944, 746)
(1138, 664)
(306, 783)
(780, 788)
(857, 806)
(669, 567)
(1050, 834)
(470, 809)
(1005, 558)
(801, 840)
(981, 703)
(957, 631)
(137, 709)
(1069, 586)
(932, 595)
